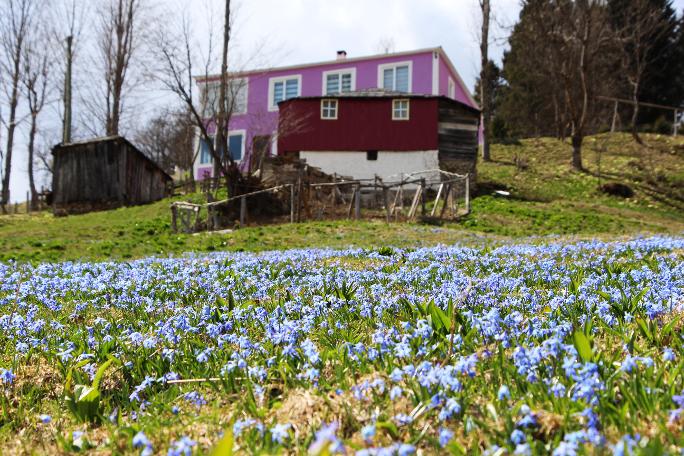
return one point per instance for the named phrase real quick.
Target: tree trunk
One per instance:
(484, 79)
(635, 113)
(5, 196)
(577, 151)
(32, 184)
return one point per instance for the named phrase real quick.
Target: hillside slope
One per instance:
(546, 197)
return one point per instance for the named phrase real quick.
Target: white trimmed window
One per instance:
(329, 109)
(236, 97)
(339, 81)
(205, 154)
(283, 88)
(400, 109)
(452, 89)
(236, 144)
(395, 76)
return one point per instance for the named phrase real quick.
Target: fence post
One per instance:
(174, 225)
(385, 192)
(357, 202)
(674, 124)
(467, 193)
(243, 211)
(292, 202)
(422, 196)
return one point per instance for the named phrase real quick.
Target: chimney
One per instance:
(341, 55)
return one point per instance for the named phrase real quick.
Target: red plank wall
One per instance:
(361, 124)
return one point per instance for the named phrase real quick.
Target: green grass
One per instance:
(547, 197)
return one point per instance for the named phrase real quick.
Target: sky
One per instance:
(277, 32)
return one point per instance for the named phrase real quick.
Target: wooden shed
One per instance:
(104, 173)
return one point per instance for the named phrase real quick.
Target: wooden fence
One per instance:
(343, 198)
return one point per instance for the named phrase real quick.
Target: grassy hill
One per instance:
(546, 197)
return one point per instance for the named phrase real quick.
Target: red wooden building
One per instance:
(363, 134)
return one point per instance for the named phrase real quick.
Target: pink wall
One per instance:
(260, 121)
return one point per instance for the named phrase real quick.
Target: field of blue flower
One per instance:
(560, 347)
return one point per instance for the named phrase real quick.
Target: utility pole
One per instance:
(485, 94)
(66, 127)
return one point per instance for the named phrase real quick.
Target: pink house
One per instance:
(256, 93)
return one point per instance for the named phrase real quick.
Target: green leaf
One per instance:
(225, 446)
(644, 329)
(582, 345)
(390, 427)
(101, 371)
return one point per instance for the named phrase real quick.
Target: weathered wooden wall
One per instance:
(458, 137)
(103, 174)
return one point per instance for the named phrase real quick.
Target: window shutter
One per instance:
(346, 82)
(388, 79)
(402, 83)
(332, 84)
(291, 88)
(277, 92)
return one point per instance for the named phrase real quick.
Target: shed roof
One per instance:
(103, 139)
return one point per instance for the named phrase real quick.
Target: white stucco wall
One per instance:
(388, 166)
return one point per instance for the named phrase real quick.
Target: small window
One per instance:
(328, 109)
(372, 155)
(205, 155)
(236, 145)
(338, 81)
(395, 76)
(283, 88)
(400, 109)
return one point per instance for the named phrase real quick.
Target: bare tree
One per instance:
(484, 78)
(118, 31)
(15, 26)
(168, 139)
(641, 25)
(211, 111)
(576, 52)
(36, 81)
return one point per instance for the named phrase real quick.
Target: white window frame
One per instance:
(386, 66)
(339, 72)
(451, 88)
(337, 107)
(214, 85)
(271, 88)
(408, 108)
(244, 87)
(242, 132)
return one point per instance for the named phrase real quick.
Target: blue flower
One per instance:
(279, 433)
(518, 437)
(368, 432)
(503, 393)
(445, 436)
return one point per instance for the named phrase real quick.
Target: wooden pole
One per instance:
(243, 211)
(385, 193)
(615, 114)
(357, 203)
(174, 226)
(675, 125)
(467, 194)
(422, 196)
(292, 203)
(66, 127)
